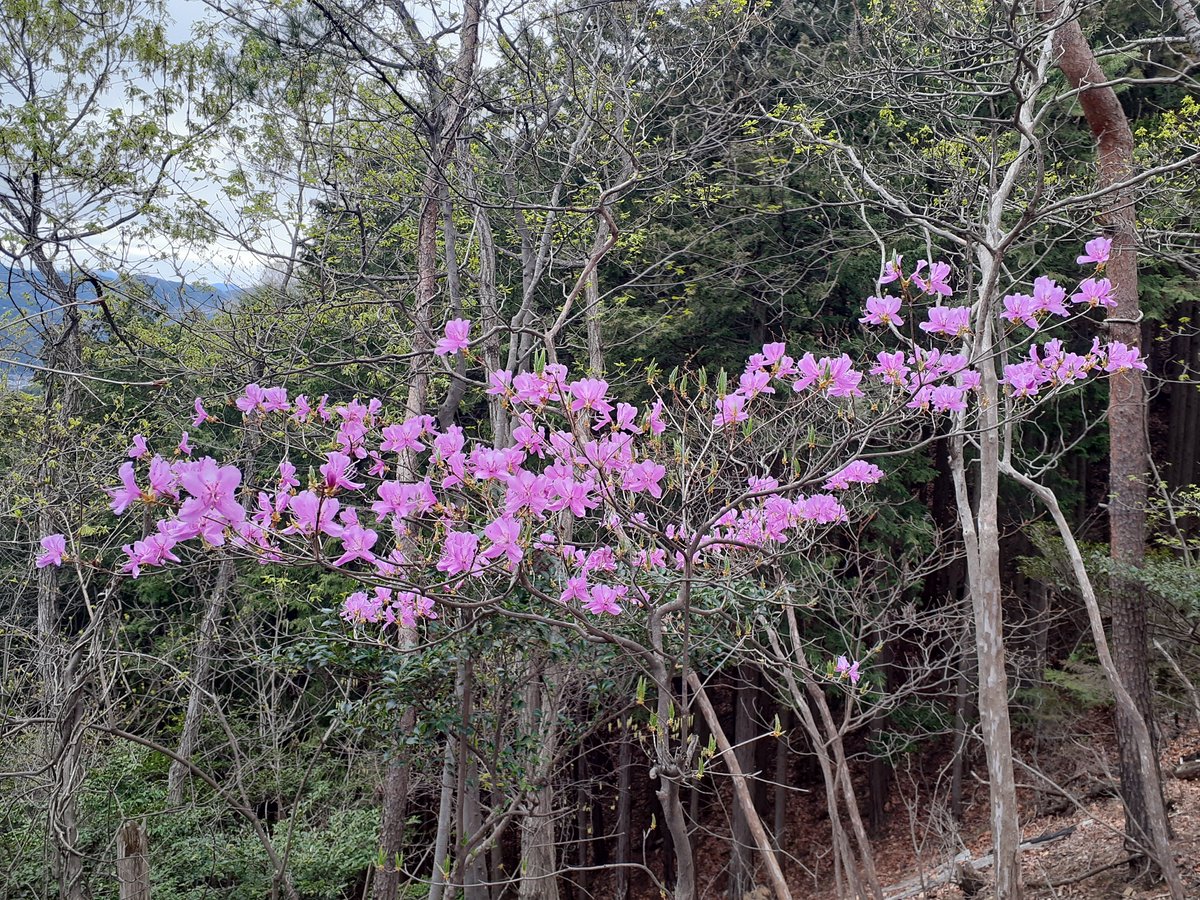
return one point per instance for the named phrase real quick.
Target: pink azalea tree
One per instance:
(614, 519)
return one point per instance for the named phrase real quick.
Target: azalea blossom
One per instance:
(857, 472)
(847, 669)
(201, 416)
(883, 310)
(54, 549)
(954, 321)
(457, 337)
(1096, 251)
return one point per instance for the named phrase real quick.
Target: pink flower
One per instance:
(892, 270)
(654, 420)
(948, 398)
(162, 477)
(773, 353)
(356, 544)
(835, 377)
(954, 321)
(138, 448)
(1095, 292)
(603, 599)
(1050, 296)
(891, 367)
(590, 394)
(313, 515)
(936, 283)
(576, 589)
(845, 668)
(644, 477)
(201, 416)
(402, 437)
(336, 472)
(499, 384)
(155, 550)
(457, 339)
(275, 400)
(856, 472)
(1021, 308)
(458, 553)
(404, 500)
(359, 607)
(730, 409)
(822, 509)
(626, 417)
(1122, 358)
(882, 311)
(251, 399)
(1096, 251)
(505, 535)
(55, 547)
(128, 493)
(287, 475)
(303, 408)
(1025, 379)
(212, 490)
(184, 447)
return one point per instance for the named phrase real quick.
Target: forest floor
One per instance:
(1088, 859)
(1081, 854)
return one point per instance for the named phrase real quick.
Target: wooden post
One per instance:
(133, 862)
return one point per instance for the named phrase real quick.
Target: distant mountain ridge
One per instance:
(23, 298)
(30, 295)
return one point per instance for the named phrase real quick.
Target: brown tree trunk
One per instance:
(741, 860)
(133, 862)
(624, 808)
(742, 792)
(1128, 453)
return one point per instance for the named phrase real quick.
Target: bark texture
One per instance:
(133, 862)
(1128, 453)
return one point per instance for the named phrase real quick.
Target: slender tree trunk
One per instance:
(539, 850)
(982, 539)
(742, 792)
(1158, 839)
(1189, 23)
(1128, 453)
(445, 823)
(624, 810)
(199, 676)
(781, 778)
(741, 862)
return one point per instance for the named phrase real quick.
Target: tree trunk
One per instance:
(1189, 23)
(982, 543)
(741, 861)
(133, 862)
(742, 792)
(1128, 453)
(624, 809)
(198, 678)
(781, 777)
(539, 850)
(1157, 841)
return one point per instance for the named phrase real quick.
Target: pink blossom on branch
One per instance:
(882, 311)
(54, 550)
(1096, 251)
(457, 337)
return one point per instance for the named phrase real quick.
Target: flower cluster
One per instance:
(582, 499)
(477, 511)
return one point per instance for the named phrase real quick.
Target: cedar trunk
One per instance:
(1128, 453)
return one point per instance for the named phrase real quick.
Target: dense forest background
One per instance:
(645, 192)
